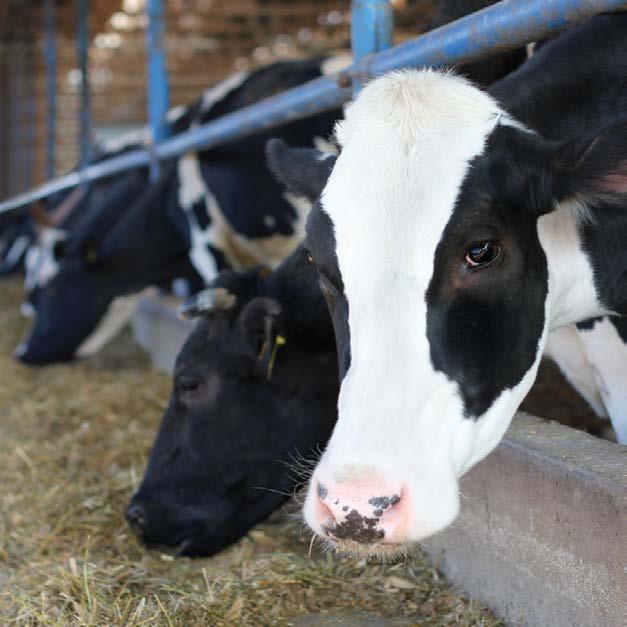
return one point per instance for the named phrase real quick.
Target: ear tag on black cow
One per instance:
(279, 341)
(91, 254)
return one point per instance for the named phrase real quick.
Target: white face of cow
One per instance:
(430, 261)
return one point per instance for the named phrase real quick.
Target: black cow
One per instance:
(254, 386)
(455, 229)
(209, 210)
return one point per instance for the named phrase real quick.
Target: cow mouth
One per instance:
(384, 551)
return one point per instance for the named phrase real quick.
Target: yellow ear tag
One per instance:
(279, 341)
(91, 254)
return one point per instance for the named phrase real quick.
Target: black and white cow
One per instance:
(255, 387)
(453, 231)
(210, 210)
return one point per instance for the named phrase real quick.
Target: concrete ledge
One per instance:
(160, 330)
(541, 538)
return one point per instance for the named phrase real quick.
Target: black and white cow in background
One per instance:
(453, 231)
(210, 210)
(255, 388)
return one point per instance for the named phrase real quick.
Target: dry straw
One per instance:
(73, 445)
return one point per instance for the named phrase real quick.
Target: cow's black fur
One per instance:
(218, 465)
(150, 242)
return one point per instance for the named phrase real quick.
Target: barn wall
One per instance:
(206, 40)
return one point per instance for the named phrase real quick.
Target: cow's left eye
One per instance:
(482, 254)
(188, 385)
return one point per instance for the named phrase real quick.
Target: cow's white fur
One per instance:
(117, 316)
(565, 348)
(607, 353)
(240, 251)
(407, 142)
(40, 264)
(218, 92)
(572, 295)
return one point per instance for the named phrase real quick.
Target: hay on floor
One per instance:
(74, 440)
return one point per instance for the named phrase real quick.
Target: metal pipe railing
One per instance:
(158, 91)
(503, 26)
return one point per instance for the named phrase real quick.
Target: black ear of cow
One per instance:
(304, 171)
(259, 321)
(593, 168)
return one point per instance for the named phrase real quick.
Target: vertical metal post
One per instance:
(158, 92)
(82, 49)
(51, 86)
(372, 28)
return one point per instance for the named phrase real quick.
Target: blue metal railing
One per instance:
(158, 92)
(82, 54)
(503, 26)
(50, 26)
(372, 29)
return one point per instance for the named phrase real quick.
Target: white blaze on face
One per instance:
(407, 142)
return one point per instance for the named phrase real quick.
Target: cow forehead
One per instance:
(407, 142)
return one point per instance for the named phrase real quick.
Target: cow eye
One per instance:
(188, 385)
(482, 254)
(310, 259)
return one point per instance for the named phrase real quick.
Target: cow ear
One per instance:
(259, 322)
(593, 169)
(304, 171)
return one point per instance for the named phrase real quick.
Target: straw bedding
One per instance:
(73, 444)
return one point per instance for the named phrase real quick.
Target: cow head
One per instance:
(250, 393)
(116, 251)
(431, 232)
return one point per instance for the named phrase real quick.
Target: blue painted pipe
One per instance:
(503, 26)
(50, 53)
(158, 92)
(372, 29)
(82, 53)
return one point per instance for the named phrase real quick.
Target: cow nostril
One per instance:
(136, 517)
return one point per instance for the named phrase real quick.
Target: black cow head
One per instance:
(254, 386)
(116, 250)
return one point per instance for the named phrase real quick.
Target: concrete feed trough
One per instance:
(541, 536)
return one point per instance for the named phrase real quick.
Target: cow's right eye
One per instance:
(188, 386)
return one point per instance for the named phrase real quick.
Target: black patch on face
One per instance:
(383, 502)
(484, 325)
(320, 241)
(355, 527)
(221, 461)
